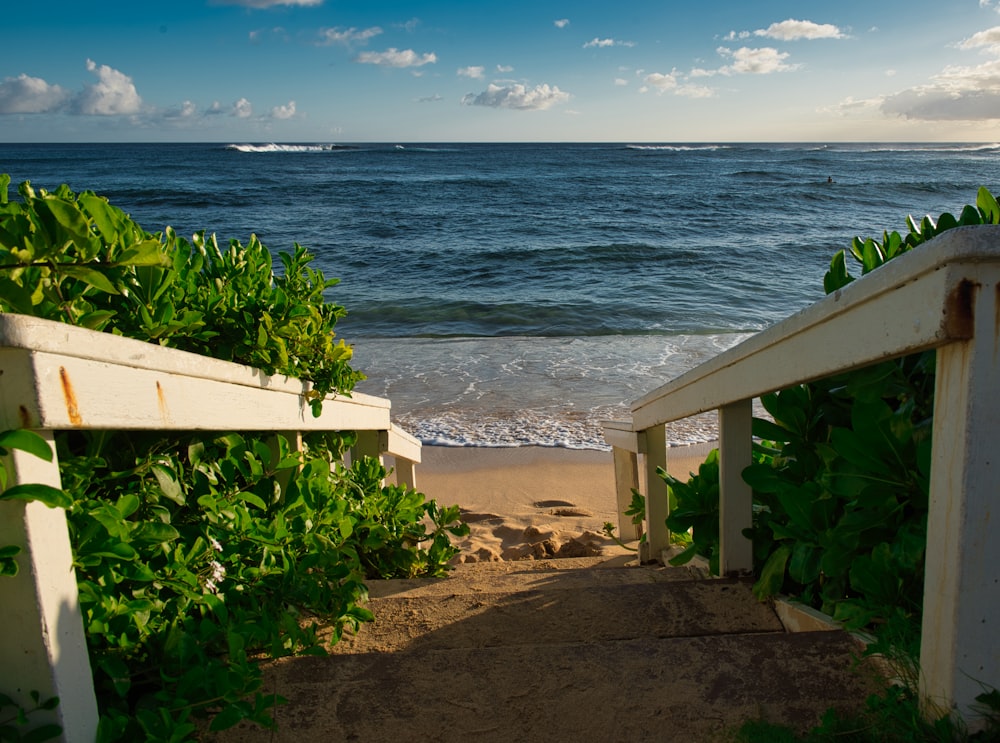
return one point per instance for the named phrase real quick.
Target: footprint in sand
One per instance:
(563, 508)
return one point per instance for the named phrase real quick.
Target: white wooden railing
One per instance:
(58, 377)
(944, 295)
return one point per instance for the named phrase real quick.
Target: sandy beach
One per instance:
(533, 502)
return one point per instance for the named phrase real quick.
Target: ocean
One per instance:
(518, 294)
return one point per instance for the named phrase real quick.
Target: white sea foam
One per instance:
(529, 391)
(676, 148)
(272, 147)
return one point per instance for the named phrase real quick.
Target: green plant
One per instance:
(637, 513)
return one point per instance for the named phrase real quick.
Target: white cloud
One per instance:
(957, 93)
(187, 110)
(747, 61)
(661, 82)
(430, 98)
(597, 43)
(410, 26)
(474, 71)
(284, 112)
(695, 91)
(517, 96)
(113, 93)
(30, 95)
(393, 57)
(242, 109)
(504, 68)
(988, 39)
(672, 83)
(736, 36)
(793, 30)
(621, 82)
(562, 23)
(347, 36)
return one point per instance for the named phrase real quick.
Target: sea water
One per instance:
(518, 294)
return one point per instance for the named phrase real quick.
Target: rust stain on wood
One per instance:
(72, 409)
(24, 417)
(959, 316)
(161, 402)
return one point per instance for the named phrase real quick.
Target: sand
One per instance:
(533, 502)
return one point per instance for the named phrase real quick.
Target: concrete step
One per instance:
(529, 652)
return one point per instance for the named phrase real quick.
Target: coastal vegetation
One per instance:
(200, 555)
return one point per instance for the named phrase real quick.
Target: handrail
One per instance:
(55, 377)
(944, 295)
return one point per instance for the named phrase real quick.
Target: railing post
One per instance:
(42, 645)
(369, 444)
(626, 478)
(735, 496)
(654, 444)
(959, 651)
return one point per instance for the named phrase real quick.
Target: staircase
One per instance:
(562, 650)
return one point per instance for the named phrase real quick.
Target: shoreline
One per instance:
(533, 502)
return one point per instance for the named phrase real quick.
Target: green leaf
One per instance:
(146, 253)
(89, 275)
(988, 205)
(28, 441)
(49, 731)
(154, 532)
(772, 576)
(230, 715)
(51, 497)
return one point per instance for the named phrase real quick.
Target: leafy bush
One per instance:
(840, 477)
(199, 554)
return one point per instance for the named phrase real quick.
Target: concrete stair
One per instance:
(580, 649)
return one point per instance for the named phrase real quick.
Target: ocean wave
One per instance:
(676, 148)
(272, 147)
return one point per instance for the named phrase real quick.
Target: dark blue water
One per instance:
(514, 294)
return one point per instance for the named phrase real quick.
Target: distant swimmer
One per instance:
(829, 179)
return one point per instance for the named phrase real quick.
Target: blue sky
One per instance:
(450, 70)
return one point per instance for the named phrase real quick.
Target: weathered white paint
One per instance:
(886, 314)
(42, 646)
(55, 377)
(960, 651)
(945, 295)
(625, 450)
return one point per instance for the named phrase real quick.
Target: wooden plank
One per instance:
(912, 303)
(34, 334)
(72, 392)
(401, 443)
(621, 435)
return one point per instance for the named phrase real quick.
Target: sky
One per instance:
(339, 71)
